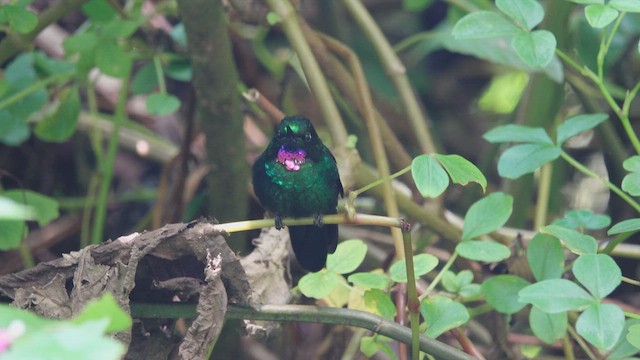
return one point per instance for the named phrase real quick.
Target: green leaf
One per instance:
(588, 1)
(416, 5)
(575, 241)
(80, 43)
(624, 348)
(626, 5)
(633, 337)
(577, 124)
(486, 215)
(145, 80)
(501, 292)
(599, 273)
(59, 126)
(380, 303)
(493, 50)
(583, 219)
(112, 60)
(319, 284)
(98, 10)
(179, 69)
(54, 341)
(548, 327)
(422, 264)
(105, 307)
(13, 130)
(442, 314)
(370, 345)
(526, 13)
(12, 210)
(487, 251)
(599, 15)
(20, 19)
(46, 208)
(522, 159)
(347, 257)
(369, 280)
(456, 283)
(556, 295)
(535, 48)
(625, 226)
(119, 28)
(11, 232)
(631, 182)
(429, 176)
(162, 104)
(517, 133)
(601, 325)
(545, 257)
(461, 170)
(482, 25)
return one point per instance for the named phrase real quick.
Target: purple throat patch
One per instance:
(291, 159)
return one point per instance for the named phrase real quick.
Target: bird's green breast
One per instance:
(310, 189)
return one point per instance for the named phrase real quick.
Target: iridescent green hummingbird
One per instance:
(297, 176)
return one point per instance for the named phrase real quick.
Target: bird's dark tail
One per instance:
(311, 244)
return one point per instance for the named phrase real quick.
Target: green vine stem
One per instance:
(312, 71)
(106, 172)
(396, 71)
(368, 113)
(33, 88)
(606, 182)
(622, 113)
(358, 219)
(413, 302)
(306, 313)
(544, 193)
(438, 277)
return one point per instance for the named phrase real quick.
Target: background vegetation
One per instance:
(118, 117)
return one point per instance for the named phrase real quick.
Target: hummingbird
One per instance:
(296, 176)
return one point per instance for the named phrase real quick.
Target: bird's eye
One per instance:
(307, 137)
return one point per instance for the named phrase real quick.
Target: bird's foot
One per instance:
(318, 221)
(279, 225)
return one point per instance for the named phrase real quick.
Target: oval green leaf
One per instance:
(599, 273)
(422, 264)
(526, 13)
(442, 314)
(626, 5)
(483, 25)
(461, 170)
(599, 15)
(379, 303)
(60, 125)
(369, 280)
(523, 159)
(548, 327)
(577, 124)
(535, 48)
(162, 104)
(601, 325)
(429, 176)
(556, 295)
(625, 226)
(487, 251)
(517, 133)
(347, 257)
(576, 242)
(487, 215)
(545, 257)
(319, 284)
(501, 292)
